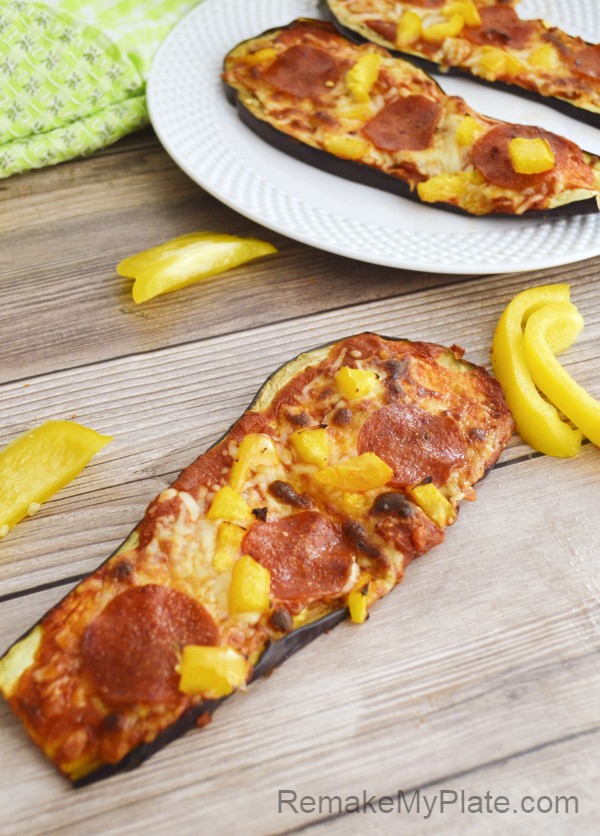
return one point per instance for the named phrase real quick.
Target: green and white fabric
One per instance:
(73, 74)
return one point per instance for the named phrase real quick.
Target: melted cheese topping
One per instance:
(544, 65)
(175, 545)
(335, 121)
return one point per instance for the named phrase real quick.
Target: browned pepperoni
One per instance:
(491, 156)
(305, 554)
(131, 648)
(416, 444)
(501, 26)
(587, 61)
(302, 70)
(386, 29)
(405, 124)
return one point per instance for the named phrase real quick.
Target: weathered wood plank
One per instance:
(59, 256)
(559, 777)
(489, 648)
(167, 406)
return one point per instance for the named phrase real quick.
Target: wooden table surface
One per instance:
(479, 673)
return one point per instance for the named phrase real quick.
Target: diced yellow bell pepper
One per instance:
(361, 111)
(494, 63)
(409, 29)
(361, 77)
(358, 599)
(250, 586)
(261, 56)
(211, 671)
(357, 604)
(39, 463)
(256, 452)
(229, 540)
(360, 473)
(229, 505)
(468, 131)
(356, 383)
(187, 259)
(440, 31)
(465, 8)
(544, 57)
(346, 147)
(349, 502)
(433, 502)
(311, 446)
(549, 375)
(531, 156)
(442, 187)
(538, 422)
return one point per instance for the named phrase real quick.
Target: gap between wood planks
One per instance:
(445, 779)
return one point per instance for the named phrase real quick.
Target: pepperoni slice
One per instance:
(405, 124)
(302, 71)
(501, 26)
(305, 554)
(131, 648)
(384, 28)
(416, 444)
(587, 61)
(490, 155)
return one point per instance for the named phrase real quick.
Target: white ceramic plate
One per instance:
(203, 134)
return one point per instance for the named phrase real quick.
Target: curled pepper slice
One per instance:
(546, 332)
(188, 259)
(538, 422)
(37, 464)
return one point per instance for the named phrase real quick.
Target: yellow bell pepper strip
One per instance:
(39, 463)
(188, 259)
(538, 422)
(549, 375)
(212, 671)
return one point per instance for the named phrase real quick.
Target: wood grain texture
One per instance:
(480, 672)
(488, 649)
(59, 256)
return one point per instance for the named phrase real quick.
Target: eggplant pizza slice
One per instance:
(357, 111)
(486, 40)
(351, 461)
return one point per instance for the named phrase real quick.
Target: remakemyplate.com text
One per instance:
(425, 804)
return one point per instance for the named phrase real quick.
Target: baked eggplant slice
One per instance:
(485, 40)
(351, 461)
(358, 112)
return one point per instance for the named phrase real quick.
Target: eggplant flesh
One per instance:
(577, 202)
(581, 114)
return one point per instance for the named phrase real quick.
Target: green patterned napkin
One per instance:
(73, 74)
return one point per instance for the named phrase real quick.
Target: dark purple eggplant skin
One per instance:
(366, 175)
(275, 654)
(561, 106)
